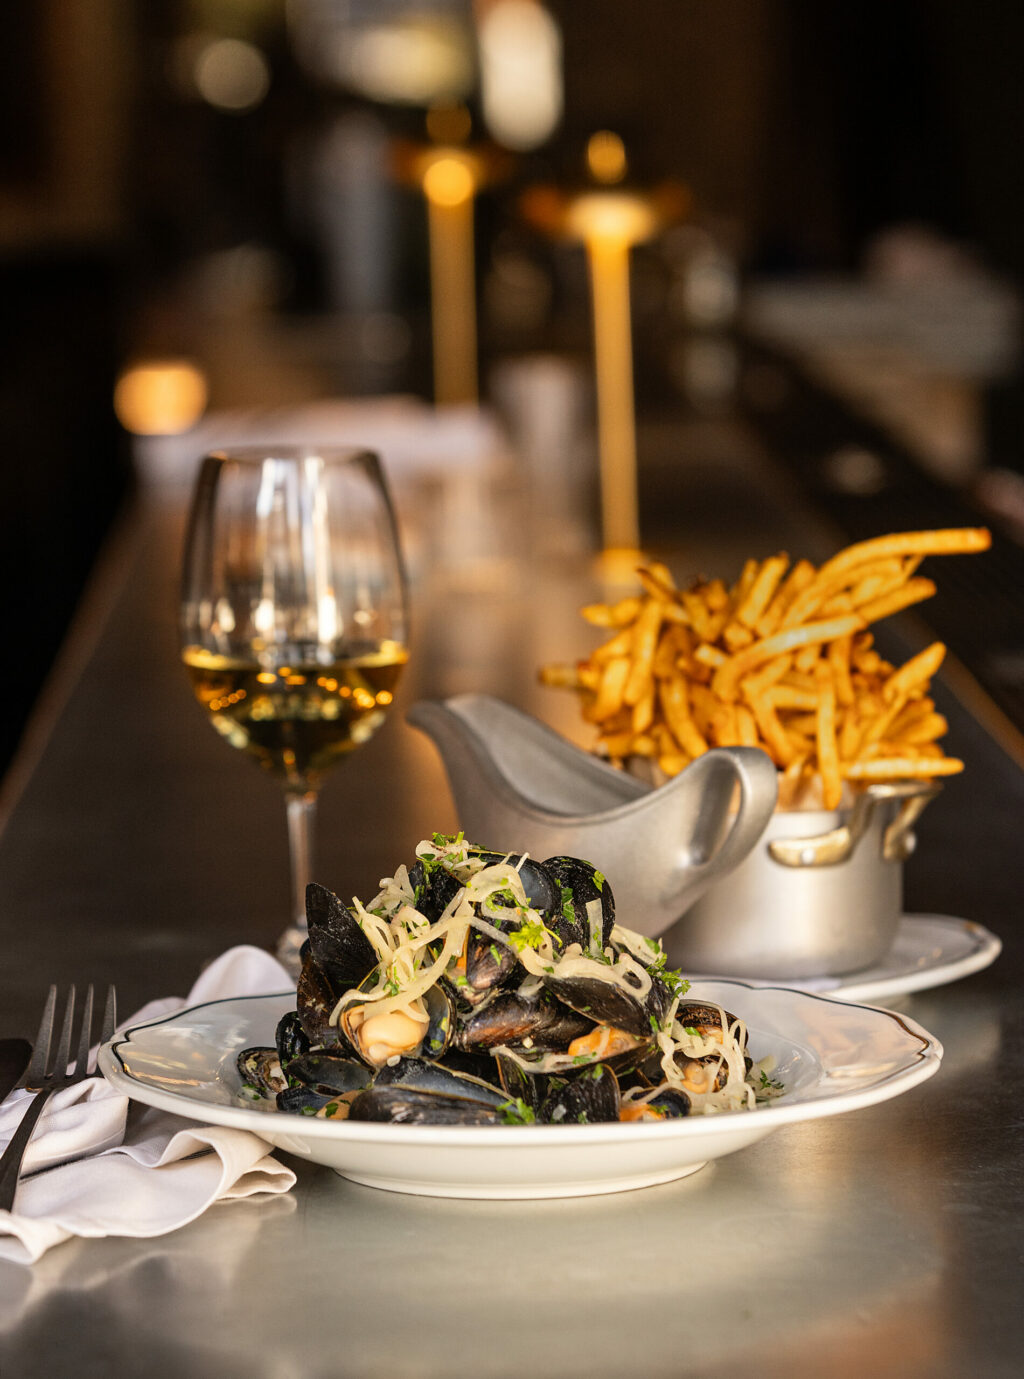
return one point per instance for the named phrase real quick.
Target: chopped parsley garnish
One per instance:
(516, 1112)
(692, 1032)
(530, 935)
(568, 904)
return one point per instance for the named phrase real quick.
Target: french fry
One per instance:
(791, 782)
(795, 582)
(761, 591)
(611, 689)
(898, 768)
(675, 703)
(897, 599)
(945, 541)
(828, 749)
(839, 662)
(645, 639)
(915, 672)
(619, 614)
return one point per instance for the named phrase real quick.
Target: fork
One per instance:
(49, 1071)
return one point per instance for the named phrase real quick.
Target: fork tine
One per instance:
(109, 1019)
(63, 1055)
(109, 1016)
(41, 1048)
(84, 1038)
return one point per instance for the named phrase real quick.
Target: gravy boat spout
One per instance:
(520, 787)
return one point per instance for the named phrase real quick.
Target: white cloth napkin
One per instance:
(137, 1171)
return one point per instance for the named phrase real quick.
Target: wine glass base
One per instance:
(289, 947)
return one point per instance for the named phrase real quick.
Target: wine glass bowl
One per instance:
(294, 617)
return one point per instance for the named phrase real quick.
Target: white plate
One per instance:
(929, 950)
(831, 1057)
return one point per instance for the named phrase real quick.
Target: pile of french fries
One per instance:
(783, 660)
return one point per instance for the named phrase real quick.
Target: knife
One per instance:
(14, 1056)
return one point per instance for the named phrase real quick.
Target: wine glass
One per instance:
(294, 619)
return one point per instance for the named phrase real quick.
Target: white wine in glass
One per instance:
(294, 619)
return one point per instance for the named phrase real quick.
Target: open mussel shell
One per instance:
(377, 1039)
(584, 883)
(539, 886)
(518, 1084)
(433, 889)
(608, 1003)
(424, 1076)
(669, 1103)
(291, 1039)
(489, 965)
(303, 1101)
(703, 1018)
(589, 1097)
(414, 1106)
(260, 1071)
(342, 951)
(536, 1022)
(328, 1073)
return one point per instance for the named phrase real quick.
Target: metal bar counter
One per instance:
(136, 847)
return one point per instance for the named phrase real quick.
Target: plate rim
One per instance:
(756, 1123)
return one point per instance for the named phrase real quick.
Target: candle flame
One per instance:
(606, 157)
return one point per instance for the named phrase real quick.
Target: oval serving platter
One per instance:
(831, 1057)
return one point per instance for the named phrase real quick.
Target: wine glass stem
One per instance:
(301, 809)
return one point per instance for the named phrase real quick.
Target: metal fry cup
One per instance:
(820, 894)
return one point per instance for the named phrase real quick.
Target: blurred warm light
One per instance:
(606, 157)
(617, 217)
(448, 181)
(161, 397)
(520, 72)
(232, 75)
(449, 124)
(413, 63)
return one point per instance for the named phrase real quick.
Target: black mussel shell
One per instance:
(479, 1065)
(290, 1037)
(328, 1073)
(412, 1106)
(303, 1101)
(606, 1003)
(260, 1071)
(539, 886)
(513, 1019)
(342, 951)
(580, 882)
(489, 964)
(315, 999)
(591, 1096)
(696, 1015)
(433, 889)
(519, 1085)
(425, 1076)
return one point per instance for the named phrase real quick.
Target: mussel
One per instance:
(537, 1023)
(342, 951)
(591, 1096)
(260, 1071)
(422, 1027)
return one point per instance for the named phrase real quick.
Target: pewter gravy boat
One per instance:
(519, 786)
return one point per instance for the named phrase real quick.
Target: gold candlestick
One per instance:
(449, 178)
(609, 222)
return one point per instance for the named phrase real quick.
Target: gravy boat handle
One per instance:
(717, 773)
